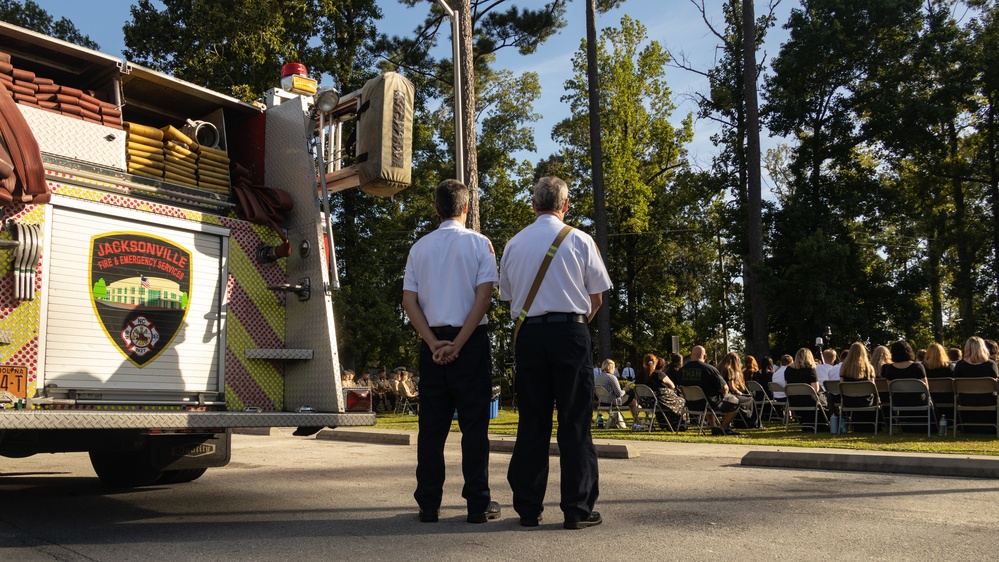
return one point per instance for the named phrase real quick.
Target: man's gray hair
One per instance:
(550, 194)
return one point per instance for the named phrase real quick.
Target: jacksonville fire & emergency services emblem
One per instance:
(141, 287)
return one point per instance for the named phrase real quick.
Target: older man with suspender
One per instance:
(553, 356)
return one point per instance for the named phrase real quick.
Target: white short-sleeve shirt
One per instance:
(822, 373)
(779, 379)
(444, 268)
(576, 272)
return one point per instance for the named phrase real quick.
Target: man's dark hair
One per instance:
(450, 198)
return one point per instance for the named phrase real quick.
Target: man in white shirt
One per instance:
(447, 289)
(554, 358)
(834, 372)
(823, 368)
(785, 360)
(628, 373)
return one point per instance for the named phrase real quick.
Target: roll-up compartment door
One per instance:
(133, 307)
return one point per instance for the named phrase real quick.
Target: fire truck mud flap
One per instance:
(170, 458)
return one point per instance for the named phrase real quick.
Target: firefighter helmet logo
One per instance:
(140, 336)
(141, 288)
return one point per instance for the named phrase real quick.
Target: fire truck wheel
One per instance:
(124, 469)
(181, 476)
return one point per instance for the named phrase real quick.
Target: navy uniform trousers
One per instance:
(464, 385)
(554, 368)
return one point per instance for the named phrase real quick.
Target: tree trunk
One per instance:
(633, 301)
(758, 334)
(597, 163)
(993, 148)
(467, 62)
(963, 284)
(936, 291)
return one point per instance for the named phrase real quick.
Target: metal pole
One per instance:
(459, 145)
(724, 294)
(328, 224)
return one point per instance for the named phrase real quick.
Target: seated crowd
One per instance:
(386, 390)
(888, 363)
(726, 391)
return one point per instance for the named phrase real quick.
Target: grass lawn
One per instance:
(771, 434)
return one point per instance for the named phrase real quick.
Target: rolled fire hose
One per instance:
(203, 133)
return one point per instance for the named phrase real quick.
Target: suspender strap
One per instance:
(537, 283)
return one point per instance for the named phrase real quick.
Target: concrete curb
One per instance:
(251, 430)
(380, 437)
(925, 465)
(496, 444)
(604, 450)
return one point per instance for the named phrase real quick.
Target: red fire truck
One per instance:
(166, 260)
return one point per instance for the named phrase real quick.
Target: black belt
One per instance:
(448, 332)
(555, 318)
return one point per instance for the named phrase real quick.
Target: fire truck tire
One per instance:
(124, 469)
(181, 476)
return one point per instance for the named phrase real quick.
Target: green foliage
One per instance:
(888, 216)
(30, 15)
(646, 206)
(239, 46)
(825, 238)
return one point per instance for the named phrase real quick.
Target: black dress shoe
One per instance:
(530, 521)
(593, 519)
(429, 516)
(492, 512)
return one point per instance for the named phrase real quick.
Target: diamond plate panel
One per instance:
(20, 318)
(310, 323)
(255, 318)
(280, 354)
(100, 419)
(77, 139)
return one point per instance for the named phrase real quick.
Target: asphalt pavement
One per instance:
(285, 497)
(850, 460)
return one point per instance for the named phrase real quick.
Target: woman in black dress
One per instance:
(937, 364)
(731, 370)
(656, 375)
(803, 371)
(976, 361)
(903, 364)
(856, 367)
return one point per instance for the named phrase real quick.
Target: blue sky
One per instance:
(676, 24)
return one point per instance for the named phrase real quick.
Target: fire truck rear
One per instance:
(166, 257)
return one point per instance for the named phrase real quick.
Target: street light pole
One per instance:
(459, 144)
